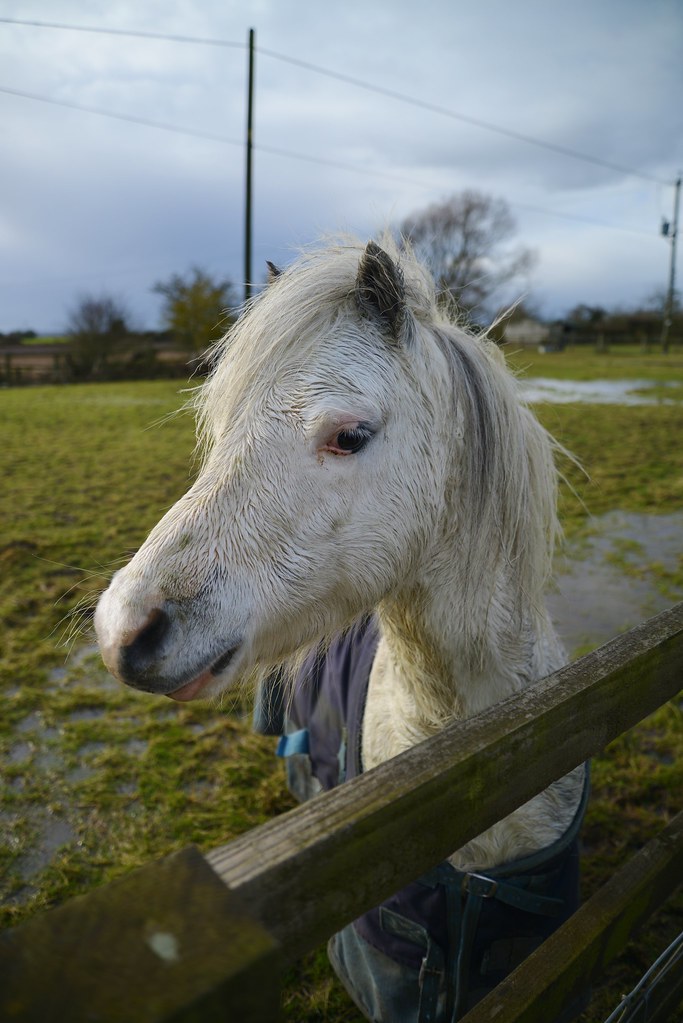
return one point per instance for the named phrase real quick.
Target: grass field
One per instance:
(583, 362)
(98, 779)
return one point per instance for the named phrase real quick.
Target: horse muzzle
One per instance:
(158, 646)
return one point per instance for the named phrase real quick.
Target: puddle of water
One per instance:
(197, 789)
(162, 714)
(85, 714)
(136, 747)
(55, 832)
(76, 663)
(20, 897)
(34, 725)
(83, 653)
(78, 774)
(127, 788)
(47, 760)
(52, 834)
(20, 752)
(91, 749)
(31, 723)
(593, 392)
(85, 658)
(595, 599)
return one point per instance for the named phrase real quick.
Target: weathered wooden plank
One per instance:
(167, 943)
(311, 871)
(581, 950)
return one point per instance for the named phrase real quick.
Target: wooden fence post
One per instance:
(168, 942)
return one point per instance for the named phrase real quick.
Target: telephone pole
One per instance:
(671, 230)
(248, 182)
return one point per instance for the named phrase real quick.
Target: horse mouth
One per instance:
(192, 689)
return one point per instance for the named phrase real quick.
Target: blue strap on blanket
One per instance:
(295, 742)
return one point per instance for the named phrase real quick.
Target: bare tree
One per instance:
(196, 307)
(657, 300)
(465, 241)
(98, 327)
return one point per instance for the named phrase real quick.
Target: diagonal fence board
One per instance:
(579, 953)
(310, 872)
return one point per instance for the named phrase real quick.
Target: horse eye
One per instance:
(351, 441)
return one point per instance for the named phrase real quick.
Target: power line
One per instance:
(465, 118)
(412, 181)
(581, 219)
(197, 133)
(323, 161)
(293, 155)
(402, 97)
(146, 122)
(202, 41)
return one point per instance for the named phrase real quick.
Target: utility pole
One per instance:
(248, 183)
(671, 230)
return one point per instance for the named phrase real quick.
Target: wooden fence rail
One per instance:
(196, 937)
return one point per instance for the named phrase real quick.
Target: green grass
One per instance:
(86, 473)
(583, 362)
(629, 453)
(120, 778)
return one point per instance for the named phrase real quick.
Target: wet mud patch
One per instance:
(94, 772)
(53, 834)
(625, 568)
(601, 392)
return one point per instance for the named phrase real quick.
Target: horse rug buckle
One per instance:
(481, 886)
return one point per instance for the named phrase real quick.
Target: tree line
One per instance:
(196, 310)
(468, 241)
(103, 343)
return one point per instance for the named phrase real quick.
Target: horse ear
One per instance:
(273, 271)
(380, 289)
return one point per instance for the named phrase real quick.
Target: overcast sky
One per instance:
(91, 204)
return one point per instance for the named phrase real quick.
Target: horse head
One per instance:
(326, 445)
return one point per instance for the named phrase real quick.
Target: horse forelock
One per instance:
(278, 331)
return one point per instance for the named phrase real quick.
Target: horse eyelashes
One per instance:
(352, 441)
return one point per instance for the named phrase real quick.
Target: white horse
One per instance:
(362, 454)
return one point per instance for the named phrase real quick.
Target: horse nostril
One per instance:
(151, 635)
(141, 652)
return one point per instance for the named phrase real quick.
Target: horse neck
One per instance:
(469, 628)
(455, 651)
(446, 653)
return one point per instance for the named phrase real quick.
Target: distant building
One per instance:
(526, 331)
